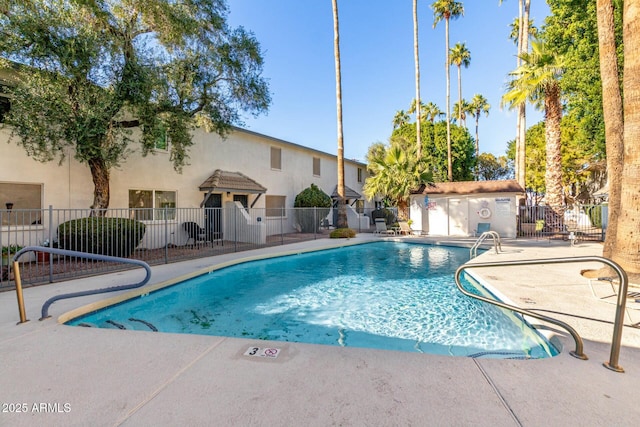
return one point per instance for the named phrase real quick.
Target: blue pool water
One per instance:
(385, 295)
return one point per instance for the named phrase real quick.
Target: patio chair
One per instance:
(381, 228)
(481, 228)
(406, 229)
(633, 296)
(195, 232)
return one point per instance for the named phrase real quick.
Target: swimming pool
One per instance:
(386, 295)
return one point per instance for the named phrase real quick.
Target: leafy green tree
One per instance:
(537, 80)
(460, 56)
(435, 150)
(447, 10)
(95, 70)
(492, 168)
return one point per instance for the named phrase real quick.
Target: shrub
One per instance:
(103, 236)
(595, 215)
(388, 215)
(311, 197)
(342, 233)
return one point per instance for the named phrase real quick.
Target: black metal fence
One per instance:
(584, 222)
(156, 236)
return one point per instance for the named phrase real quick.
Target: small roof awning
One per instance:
(348, 193)
(231, 181)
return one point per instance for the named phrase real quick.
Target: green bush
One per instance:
(103, 236)
(311, 197)
(595, 215)
(388, 215)
(342, 233)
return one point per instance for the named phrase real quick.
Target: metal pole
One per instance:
(50, 243)
(166, 237)
(16, 272)
(315, 221)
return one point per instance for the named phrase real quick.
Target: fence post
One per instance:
(315, 221)
(282, 227)
(235, 228)
(50, 243)
(166, 237)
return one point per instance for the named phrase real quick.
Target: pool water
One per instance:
(385, 295)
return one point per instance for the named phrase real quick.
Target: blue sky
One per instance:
(376, 43)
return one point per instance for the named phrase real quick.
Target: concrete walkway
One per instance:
(55, 375)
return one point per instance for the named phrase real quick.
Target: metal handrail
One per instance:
(612, 364)
(473, 252)
(85, 255)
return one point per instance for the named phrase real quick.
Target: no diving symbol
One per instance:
(271, 352)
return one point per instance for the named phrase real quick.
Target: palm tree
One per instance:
(460, 110)
(479, 104)
(394, 173)
(432, 112)
(613, 117)
(460, 56)
(417, 61)
(446, 10)
(401, 118)
(342, 208)
(625, 251)
(537, 80)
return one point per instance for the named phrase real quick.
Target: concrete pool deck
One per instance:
(71, 376)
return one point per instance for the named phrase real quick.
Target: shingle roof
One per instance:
(231, 181)
(348, 193)
(470, 187)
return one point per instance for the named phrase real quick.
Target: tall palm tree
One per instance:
(432, 112)
(460, 110)
(626, 251)
(446, 10)
(613, 117)
(417, 61)
(538, 80)
(342, 207)
(479, 104)
(401, 118)
(522, 43)
(460, 55)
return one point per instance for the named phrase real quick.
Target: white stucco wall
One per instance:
(459, 215)
(69, 185)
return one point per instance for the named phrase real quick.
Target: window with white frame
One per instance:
(316, 166)
(275, 206)
(149, 205)
(161, 142)
(359, 174)
(20, 203)
(276, 158)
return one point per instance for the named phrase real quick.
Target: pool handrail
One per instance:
(497, 244)
(85, 255)
(612, 364)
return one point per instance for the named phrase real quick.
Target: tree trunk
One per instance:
(100, 175)
(613, 122)
(460, 96)
(342, 207)
(626, 250)
(417, 61)
(521, 144)
(553, 172)
(449, 159)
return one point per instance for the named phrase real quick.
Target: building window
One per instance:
(275, 206)
(316, 166)
(20, 203)
(149, 205)
(359, 174)
(276, 158)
